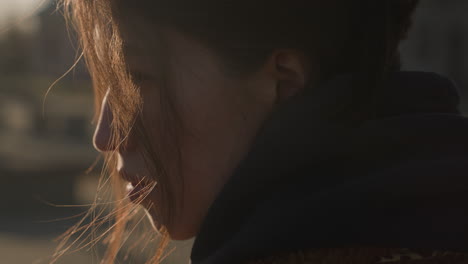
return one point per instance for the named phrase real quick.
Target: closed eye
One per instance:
(140, 77)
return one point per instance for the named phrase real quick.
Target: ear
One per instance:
(291, 73)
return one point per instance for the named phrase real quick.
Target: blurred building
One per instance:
(45, 143)
(42, 154)
(439, 42)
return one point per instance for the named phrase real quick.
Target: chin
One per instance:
(176, 231)
(181, 236)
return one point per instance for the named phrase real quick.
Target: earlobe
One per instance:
(291, 73)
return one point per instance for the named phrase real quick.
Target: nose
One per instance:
(102, 134)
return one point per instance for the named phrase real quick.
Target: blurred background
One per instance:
(45, 142)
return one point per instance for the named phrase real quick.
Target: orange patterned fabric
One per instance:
(367, 256)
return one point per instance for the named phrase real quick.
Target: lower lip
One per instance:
(135, 194)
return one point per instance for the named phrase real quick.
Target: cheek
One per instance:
(160, 124)
(213, 122)
(214, 138)
(210, 109)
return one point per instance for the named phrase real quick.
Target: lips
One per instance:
(134, 180)
(137, 187)
(135, 193)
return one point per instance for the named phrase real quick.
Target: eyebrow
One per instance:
(135, 52)
(130, 50)
(138, 61)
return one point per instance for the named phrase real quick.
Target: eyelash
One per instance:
(139, 77)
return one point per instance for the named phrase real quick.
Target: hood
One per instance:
(309, 181)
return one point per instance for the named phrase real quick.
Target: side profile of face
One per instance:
(221, 115)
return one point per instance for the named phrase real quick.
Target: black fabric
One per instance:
(312, 181)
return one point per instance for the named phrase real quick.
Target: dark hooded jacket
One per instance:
(312, 182)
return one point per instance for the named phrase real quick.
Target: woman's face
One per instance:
(220, 116)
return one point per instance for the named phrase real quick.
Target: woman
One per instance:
(277, 132)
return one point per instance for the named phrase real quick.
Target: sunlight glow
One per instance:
(11, 10)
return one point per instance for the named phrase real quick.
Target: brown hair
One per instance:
(359, 37)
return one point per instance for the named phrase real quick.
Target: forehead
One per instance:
(147, 41)
(148, 31)
(143, 43)
(137, 33)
